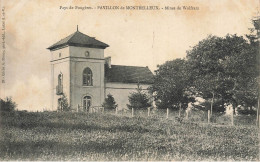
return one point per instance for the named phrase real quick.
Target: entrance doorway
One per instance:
(86, 103)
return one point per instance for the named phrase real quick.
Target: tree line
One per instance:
(221, 70)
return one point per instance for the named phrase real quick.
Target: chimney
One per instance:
(108, 61)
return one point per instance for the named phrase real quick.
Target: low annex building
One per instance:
(80, 71)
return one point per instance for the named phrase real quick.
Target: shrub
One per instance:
(7, 105)
(242, 110)
(64, 103)
(109, 103)
(139, 99)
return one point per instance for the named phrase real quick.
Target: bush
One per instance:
(7, 105)
(139, 100)
(109, 103)
(246, 110)
(64, 103)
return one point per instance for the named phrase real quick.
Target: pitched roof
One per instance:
(80, 40)
(128, 74)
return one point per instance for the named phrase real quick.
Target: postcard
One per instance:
(128, 80)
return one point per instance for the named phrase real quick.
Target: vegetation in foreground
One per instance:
(79, 136)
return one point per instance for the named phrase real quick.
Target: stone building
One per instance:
(80, 71)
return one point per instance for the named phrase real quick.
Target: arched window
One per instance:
(87, 77)
(86, 103)
(59, 89)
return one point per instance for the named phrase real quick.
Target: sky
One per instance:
(136, 37)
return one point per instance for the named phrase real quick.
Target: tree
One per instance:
(254, 38)
(7, 105)
(172, 85)
(64, 103)
(255, 31)
(109, 103)
(223, 68)
(139, 99)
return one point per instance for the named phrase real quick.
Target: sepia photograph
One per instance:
(130, 80)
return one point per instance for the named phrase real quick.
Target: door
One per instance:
(86, 103)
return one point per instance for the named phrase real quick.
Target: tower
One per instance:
(77, 71)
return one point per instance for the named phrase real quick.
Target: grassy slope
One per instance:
(72, 136)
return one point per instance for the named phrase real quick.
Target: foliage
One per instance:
(109, 102)
(246, 111)
(139, 99)
(254, 31)
(226, 68)
(90, 137)
(172, 85)
(206, 105)
(220, 69)
(8, 104)
(64, 103)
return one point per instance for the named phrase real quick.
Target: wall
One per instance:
(77, 65)
(60, 53)
(94, 53)
(121, 91)
(61, 66)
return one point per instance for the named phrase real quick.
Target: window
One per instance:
(87, 77)
(87, 54)
(59, 89)
(86, 103)
(60, 79)
(59, 54)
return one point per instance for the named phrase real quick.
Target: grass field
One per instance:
(80, 136)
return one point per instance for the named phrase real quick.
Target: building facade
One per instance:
(80, 71)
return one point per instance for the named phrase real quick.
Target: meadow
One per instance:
(83, 136)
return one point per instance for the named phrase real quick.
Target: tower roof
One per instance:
(79, 39)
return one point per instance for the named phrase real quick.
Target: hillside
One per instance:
(79, 136)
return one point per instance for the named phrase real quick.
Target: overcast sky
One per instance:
(139, 38)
